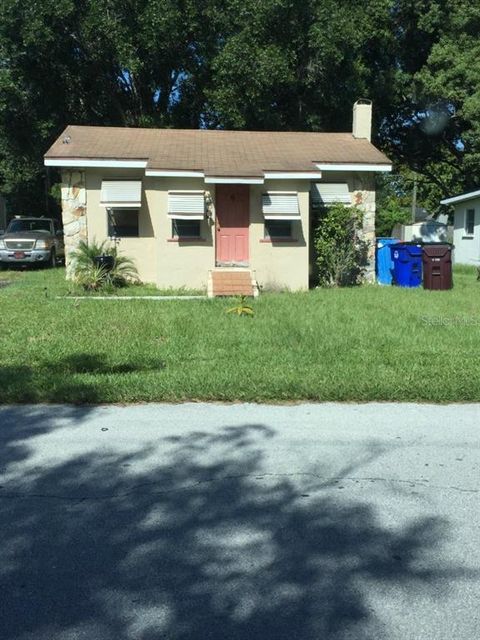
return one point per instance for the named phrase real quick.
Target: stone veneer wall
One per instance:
(364, 199)
(74, 213)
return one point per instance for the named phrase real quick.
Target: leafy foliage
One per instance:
(393, 204)
(341, 251)
(433, 123)
(265, 64)
(298, 64)
(242, 308)
(258, 64)
(92, 276)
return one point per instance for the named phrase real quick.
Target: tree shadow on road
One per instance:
(21, 424)
(202, 544)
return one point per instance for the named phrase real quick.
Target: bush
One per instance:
(341, 252)
(91, 276)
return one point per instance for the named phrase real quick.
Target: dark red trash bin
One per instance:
(437, 266)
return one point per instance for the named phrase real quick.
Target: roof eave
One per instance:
(464, 197)
(385, 167)
(87, 163)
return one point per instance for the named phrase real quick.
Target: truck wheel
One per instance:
(53, 259)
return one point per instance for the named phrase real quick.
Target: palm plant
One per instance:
(242, 308)
(91, 278)
(90, 275)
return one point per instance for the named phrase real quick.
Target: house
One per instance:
(211, 208)
(466, 227)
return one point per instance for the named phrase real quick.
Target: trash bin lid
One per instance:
(437, 250)
(412, 248)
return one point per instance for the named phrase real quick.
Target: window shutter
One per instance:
(121, 193)
(330, 193)
(280, 206)
(186, 205)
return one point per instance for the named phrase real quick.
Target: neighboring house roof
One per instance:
(471, 195)
(216, 152)
(426, 223)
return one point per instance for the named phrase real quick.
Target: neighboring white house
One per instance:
(466, 229)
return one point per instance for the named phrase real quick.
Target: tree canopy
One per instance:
(243, 64)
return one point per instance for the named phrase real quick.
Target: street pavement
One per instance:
(242, 522)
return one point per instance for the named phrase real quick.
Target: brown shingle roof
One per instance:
(216, 152)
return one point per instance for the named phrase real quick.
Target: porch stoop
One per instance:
(231, 282)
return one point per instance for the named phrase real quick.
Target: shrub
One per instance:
(341, 252)
(91, 276)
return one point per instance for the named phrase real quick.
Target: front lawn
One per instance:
(369, 343)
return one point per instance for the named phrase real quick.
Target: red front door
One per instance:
(232, 204)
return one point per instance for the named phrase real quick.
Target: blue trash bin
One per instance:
(383, 261)
(407, 264)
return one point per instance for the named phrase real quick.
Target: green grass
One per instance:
(369, 343)
(140, 289)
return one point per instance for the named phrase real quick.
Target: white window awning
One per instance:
(330, 193)
(186, 205)
(280, 205)
(117, 194)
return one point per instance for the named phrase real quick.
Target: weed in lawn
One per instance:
(242, 308)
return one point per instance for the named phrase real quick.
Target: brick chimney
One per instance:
(362, 119)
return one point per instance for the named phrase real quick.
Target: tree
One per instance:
(92, 62)
(393, 204)
(434, 123)
(258, 64)
(299, 64)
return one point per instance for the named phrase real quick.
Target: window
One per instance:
(185, 228)
(186, 205)
(121, 193)
(20, 225)
(326, 193)
(278, 229)
(280, 209)
(123, 223)
(470, 222)
(280, 205)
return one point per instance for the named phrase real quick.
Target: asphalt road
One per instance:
(308, 522)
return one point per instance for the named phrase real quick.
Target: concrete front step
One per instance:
(231, 282)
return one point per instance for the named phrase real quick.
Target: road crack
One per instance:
(326, 482)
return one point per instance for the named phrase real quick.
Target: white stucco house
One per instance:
(466, 227)
(218, 210)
